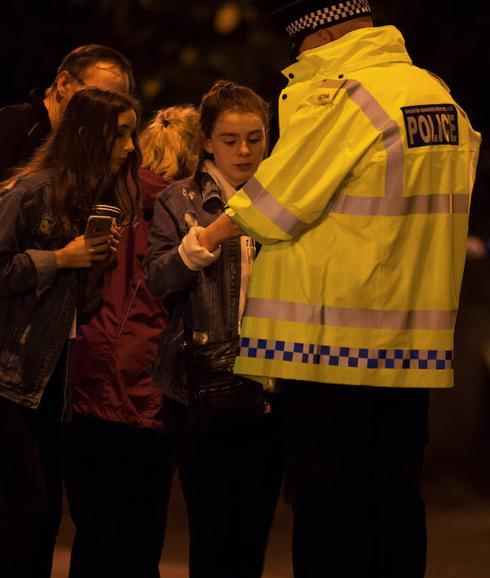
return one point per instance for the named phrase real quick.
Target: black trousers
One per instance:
(117, 480)
(353, 459)
(231, 476)
(31, 486)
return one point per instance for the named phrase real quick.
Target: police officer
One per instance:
(362, 211)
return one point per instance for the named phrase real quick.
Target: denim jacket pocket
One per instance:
(11, 346)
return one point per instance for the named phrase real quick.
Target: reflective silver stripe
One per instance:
(278, 214)
(461, 203)
(345, 317)
(392, 203)
(420, 204)
(387, 127)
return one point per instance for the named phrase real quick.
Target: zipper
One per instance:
(128, 308)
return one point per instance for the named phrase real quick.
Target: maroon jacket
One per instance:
(112, 355)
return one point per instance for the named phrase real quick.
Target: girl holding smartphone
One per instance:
(49, 275)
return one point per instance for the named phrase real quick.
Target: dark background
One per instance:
(179, 47)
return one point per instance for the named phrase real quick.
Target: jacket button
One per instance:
(341, 76)
(291, 75)
(284, 96)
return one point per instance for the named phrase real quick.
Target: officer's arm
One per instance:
(293, 187)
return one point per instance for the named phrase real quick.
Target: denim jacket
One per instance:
(37, 302)
(201, 304)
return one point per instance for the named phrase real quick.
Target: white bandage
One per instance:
(194, 255)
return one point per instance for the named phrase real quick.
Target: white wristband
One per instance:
(193, 254)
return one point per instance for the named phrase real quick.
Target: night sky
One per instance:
(179, 47)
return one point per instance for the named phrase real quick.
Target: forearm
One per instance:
(25, 272)
(23, 269)
(220, 230)
(46, 266)
(167, 274)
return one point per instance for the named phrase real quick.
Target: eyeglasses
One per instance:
(77, 78)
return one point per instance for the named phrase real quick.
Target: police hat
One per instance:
(303, 17)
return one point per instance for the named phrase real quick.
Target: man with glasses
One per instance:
(23, 127)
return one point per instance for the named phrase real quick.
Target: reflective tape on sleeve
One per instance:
(270, 207)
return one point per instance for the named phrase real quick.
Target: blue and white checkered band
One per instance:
(329, 15)
(314, 354)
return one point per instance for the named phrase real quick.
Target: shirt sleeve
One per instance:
(22, 268)
(293, 187)
(166, 272)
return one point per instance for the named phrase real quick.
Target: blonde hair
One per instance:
(170, 142)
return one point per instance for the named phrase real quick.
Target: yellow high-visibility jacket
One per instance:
(362, 210)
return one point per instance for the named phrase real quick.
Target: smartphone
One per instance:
(98, 225)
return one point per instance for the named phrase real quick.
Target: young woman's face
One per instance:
(237, 143)
(126, 125)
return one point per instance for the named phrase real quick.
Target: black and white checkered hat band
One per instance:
(329, 15)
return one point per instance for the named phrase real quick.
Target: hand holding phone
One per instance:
(83, 253)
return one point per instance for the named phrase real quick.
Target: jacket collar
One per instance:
(362, 48)
(209, 188)
(36, 98)
(212, 184)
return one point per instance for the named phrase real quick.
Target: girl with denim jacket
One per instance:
(230, 468)
(49, 273)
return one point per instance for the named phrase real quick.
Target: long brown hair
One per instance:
(77, 156)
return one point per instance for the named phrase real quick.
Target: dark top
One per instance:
(23, 127)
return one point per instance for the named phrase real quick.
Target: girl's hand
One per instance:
(82, 253)
(111, 260)
(116, 233)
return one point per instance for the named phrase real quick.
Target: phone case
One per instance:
(98, 225)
